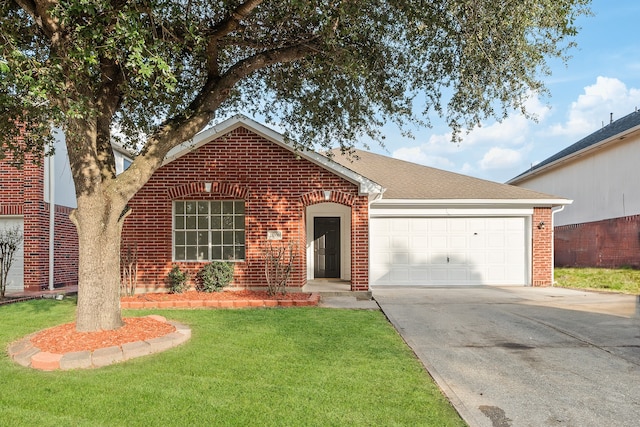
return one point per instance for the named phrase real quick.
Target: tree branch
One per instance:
(201, 111)
(232, 22)
(39, 10)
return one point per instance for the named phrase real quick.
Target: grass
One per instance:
(625, 280)
(263, 367)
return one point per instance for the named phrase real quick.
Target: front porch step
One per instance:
(358, 295)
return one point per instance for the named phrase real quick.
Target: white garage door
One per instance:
(448, 251)
(16, 272)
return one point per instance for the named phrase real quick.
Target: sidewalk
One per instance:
(66, 290)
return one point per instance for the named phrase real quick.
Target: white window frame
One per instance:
(208, 230)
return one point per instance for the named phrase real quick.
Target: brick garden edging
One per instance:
(26, 354)
(313, 300)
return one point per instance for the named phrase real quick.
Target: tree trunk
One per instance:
(99, 221)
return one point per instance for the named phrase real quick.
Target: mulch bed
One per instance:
(65, 339)
(210, 296)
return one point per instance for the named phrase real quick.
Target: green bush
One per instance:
(177, 280)
(214, 276)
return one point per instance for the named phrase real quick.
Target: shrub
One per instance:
(10, 241)
(214, 276)
(177, 280)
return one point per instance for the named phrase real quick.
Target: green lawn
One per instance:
(625, 280)
(280, 367)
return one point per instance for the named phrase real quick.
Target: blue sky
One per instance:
(602, 77)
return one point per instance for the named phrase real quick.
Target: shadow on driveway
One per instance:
(521, 356)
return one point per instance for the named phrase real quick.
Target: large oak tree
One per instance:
(156, 72)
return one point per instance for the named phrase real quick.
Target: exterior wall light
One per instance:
(541, 225)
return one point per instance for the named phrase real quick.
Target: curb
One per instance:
(26, 354)
(313, 300)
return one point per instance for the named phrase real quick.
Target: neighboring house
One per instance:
(600, 173)
(376, 221)
(25, 195)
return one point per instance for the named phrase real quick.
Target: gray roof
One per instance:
(617, 127)
(406, 180)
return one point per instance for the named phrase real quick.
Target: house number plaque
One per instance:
(274, 235)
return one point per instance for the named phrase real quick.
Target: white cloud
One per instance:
(417, 155)
(500, 158)
(592, 109)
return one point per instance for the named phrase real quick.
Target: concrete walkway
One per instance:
(526, 356)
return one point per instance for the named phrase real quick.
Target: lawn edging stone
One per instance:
(26, 354)
(313, 300)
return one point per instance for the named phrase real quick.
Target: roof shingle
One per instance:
(406, 180)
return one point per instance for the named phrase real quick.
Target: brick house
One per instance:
(25, 201)
(370, 221)
(600, 173)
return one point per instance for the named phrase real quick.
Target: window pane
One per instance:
(190, 207)
(239, 207)
(191, 223)
(179, 238)
(180, 253)
(216, 253)
(227, 237)
(203, 253)
(179, 207)
(179, 223)
(203, 237)
(203, 222)
(216, 223)
(239, 252)
(239, 238)
(227, 207)
(203, 208)
(227, 222)
(216, 207)
(191, 238)
(216, 237)
(227, 252)
(192, 253)
(239, 222)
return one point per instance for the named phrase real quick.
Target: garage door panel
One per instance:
(400, 258)
(448, 251)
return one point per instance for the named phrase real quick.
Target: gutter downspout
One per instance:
(553, 242)
(52, 218)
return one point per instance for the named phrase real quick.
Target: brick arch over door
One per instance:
(359, 231)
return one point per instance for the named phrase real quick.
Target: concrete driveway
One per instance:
(520, 356)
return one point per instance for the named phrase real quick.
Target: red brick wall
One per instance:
(542, 236)
(65, 264)
(608, 243)
(276, 188)
(22, 193)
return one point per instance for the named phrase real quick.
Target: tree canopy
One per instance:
(153, 73)
(329, 71)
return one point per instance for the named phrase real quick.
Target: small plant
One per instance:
(129, 265)
(214, 276)
(278, 264)
(177, 280)
(10, 241)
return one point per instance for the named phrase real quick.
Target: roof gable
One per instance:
(366, 186)
(609, 134)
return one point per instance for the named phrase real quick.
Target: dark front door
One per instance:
(326, 236)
